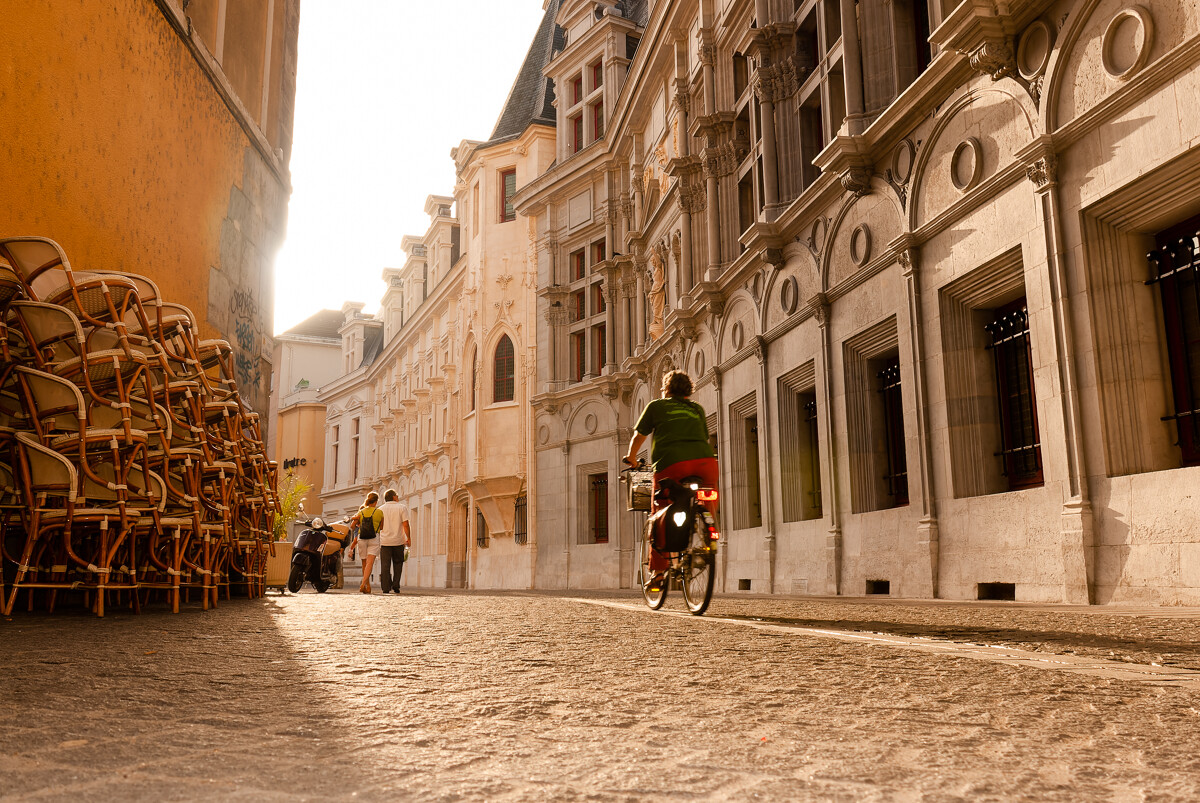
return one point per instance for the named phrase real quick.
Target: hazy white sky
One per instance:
(385, 88)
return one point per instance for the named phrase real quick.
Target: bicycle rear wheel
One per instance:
(698, 574)
(655, 594)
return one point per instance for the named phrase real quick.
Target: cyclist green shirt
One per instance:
(680, 431)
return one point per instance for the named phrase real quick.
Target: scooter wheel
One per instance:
(322, 586)
(295, 579)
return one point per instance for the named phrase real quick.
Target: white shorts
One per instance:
(368, 547)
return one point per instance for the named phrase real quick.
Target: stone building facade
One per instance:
(307, 357)
(435, 398)
(154, 136)
(932, 265)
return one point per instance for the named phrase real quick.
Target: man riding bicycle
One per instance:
(680, 450)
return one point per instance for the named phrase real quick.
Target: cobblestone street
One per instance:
(474, 696)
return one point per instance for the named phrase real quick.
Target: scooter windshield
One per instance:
(311, 541)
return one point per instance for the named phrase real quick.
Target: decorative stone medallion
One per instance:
(738, 336)
(902, 160)
(966, 166)
(1033, 50)
(860, 245)
(589, 423)
(1127, 42)
(789, 295)
(543, 434)
(700, 363)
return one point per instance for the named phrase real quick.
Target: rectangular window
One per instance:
(578, 308)
(508, 188)
(578, 357)
(598, 305)
(598, 508)
(1175, 262)
(481, 529)
(1019, 443)
(743, 425)
(598, 339)
(800, 459)
(892, 408)
(577, 133)
(597, 74)
(521, 521)
(598, 253)
(576, 89)
(746, 211)
(578, 265)
(597, 121)
(475, 210)
(337, 435)
(354, 441)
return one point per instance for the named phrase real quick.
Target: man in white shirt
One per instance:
(393, 538)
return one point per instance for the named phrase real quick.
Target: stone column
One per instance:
(927, 527)
(639, 271)
(709, 157)
(829, 473)
(766, 467)
(766, 99)
(852, 67)
(1077, 532)
(611, 298)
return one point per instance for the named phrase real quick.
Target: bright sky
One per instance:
(385, 88)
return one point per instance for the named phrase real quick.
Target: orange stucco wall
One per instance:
(117, 145)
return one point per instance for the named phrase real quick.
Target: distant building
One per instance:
(153, 136)
(435, 400)
(307, 357)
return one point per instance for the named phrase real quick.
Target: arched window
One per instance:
(505, 369)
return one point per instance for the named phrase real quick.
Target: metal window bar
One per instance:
(1176, 262)
(814, 460)
(521, 521)
(893, 417)
(481, 530)
(598, 492)
(1020, 446)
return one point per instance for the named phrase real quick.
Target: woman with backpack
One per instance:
(369, 521)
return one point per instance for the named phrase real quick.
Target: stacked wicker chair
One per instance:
(130, 467)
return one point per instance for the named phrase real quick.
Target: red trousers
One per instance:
(703, 467)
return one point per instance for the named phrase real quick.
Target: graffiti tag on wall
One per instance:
(247, 342)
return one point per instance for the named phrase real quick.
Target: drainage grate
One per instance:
(743, 584)
(879, 587)
(998, 591)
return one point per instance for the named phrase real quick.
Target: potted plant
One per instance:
(292, 490)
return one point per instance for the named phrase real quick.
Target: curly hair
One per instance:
(677, 383)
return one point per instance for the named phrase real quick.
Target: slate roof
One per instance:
(325, 323)
(638, 11)
(532, 95)
(372, 344)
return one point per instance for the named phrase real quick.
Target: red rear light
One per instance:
(714, 535)
(707, 494)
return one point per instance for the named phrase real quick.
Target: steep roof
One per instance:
(325, 323)
(372, 344)
(637, 11)
(531, 98)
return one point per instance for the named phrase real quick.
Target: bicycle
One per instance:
(691, 537)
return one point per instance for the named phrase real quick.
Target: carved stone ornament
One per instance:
(1044, 171)
(707, 51)
(683, 100)
(819, 304)
(995, 58)
(907, 260)
(857, 180)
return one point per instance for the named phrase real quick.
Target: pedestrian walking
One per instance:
(369, 521)
(394, 539)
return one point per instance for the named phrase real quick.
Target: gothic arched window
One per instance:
(505, 369)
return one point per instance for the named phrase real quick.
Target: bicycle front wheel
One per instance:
(698, 571)
(655, 593)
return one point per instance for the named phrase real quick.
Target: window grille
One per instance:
(481, 529)
(503, 385)
(814, 459)
(893, 420)
(598, 507)
(1020, 448)
(521, 522)
(1175, 262)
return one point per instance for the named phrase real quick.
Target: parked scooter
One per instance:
(317, 554)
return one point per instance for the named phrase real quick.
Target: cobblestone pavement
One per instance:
(473, 696)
